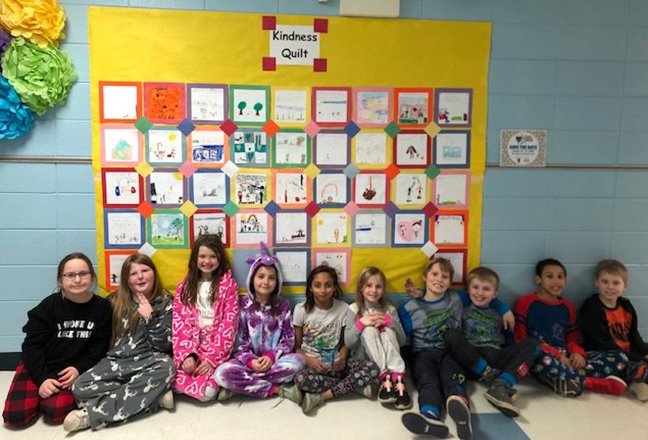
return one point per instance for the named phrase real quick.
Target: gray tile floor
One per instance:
(545, 416)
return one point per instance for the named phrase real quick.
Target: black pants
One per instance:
(515, 360)
(437, 376)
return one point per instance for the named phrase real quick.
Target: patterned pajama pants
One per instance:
(23, 402)
(116, 389)
(237, 377)
(357, 374)
(610, 362)
(548, 368)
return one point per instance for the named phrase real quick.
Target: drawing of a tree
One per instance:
(258, 106)
(241, 105)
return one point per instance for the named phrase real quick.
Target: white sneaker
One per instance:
(76, 420)
(166, 401)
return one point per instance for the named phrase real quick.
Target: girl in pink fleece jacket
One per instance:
(205, 319)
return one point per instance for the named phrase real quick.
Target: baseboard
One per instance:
(9, 361)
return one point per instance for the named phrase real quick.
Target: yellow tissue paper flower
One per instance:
(39, 21)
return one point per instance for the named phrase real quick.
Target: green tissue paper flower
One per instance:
(42, 76)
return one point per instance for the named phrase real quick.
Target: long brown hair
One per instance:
(367, 273)
(189, 292)
(122, 299)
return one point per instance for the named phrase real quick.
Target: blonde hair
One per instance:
(445, 264)
(613, 267)
(122, 299)
(484, 274)
(367, 273)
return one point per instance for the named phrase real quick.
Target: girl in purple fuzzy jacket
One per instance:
(263, 362)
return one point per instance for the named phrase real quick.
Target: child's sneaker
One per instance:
(224, 394)
(387, 393)
(76, 420)
(291, 392)
(562, 387)
(459, 412)
(640, 390)
(499, 396)
(403, 399)
(489, 375)
(311, 401)
(366, 391)
(166, 400)
(608, 385)
(417, 424)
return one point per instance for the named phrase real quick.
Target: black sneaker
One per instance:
(500, 397)
(459, 412)
(387, 393)
(403, 399)
(417, 424)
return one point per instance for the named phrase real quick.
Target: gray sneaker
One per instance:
(76, 420)
(499, 395)
(291, 392)
(166, 400)
(311, 401)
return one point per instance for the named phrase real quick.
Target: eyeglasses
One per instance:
(73, 275)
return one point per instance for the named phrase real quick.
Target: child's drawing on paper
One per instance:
(121, 145)
(166, 188)
(210, 223)
(332, 228)
(251, 189)
(291, 148)
(451, 189)
(207, 104)
(370, 148)
(449, 229)
(372, 107)
(411, 189)
(124, 228)
(207, 146)
(412, 149)
(454, 107)
(115, 263)
(331, 189)
(250, 148)
(331, 149)
(119, 102)
(370, 229)
(294, 266)
(290, 106)
(413, 108)
(331, 106)
(291, 228)
(209, 189)
(122, 188)
(291, 188)
(164, 103)
(409, 229)
(164, 146)
(370, 189)
(249, 105)
(452, 149)
(168, 229)
(251, 227)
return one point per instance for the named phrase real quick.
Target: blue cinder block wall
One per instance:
(577, 68)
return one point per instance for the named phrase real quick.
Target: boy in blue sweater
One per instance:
(438, 377)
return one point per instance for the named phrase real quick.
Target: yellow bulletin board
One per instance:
(371, 154)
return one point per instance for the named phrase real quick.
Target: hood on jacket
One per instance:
(263, 259)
